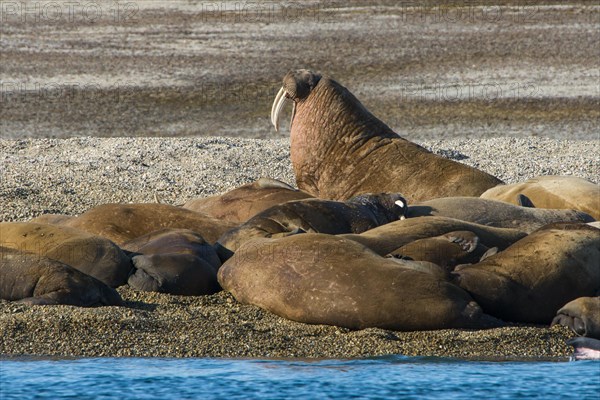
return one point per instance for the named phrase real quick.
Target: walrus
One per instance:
(174, 261)
(560, 192)
(33, 279)
(356, 215)
(123, 222)
(585, 348)
(242, 203)
(325, 279)
(532, 279)
(339, 149)
(52, 219)
(385, 239)
(495, 213)
(446, 251)
(582, 315)
(90, 254)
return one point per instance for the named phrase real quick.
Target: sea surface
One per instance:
(372, 378)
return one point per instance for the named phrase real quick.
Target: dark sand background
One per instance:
(508, 87)
(430, 69)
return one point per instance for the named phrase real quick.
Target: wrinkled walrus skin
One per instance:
(242, 203)
(93, 255)
(33, 279)
(532, 279)
(356, 215)
(385, 239)
(582, 315)
(560, 192)
(495, 213)
(339, 149)
(324, 279)
(123, 222)
(174, 261)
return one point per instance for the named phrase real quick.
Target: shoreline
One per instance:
(159, 325)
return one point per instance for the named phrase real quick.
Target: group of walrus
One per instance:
(380, 233)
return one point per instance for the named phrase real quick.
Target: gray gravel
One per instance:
(160, 325)
(69, 176)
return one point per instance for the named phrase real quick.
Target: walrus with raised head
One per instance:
(582, 315)
(34, 279)
(339, 149)
(325, 279)
(494, 213)
(174, 261)
(123, 222)
(93, 255)
(560, 192)
(242, 203)
(532, 279)
(356, 215)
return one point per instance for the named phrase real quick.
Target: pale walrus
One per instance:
(174, 261)
(123, 222)
(495, 213)
(385, 239)
(356, 215)
(339, 149)
(532, 279)
(34, 279)
(242, 203)
(563, 192)
(582, 315)
(325, 279)
(90, 254)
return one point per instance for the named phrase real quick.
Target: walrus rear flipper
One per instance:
(524, 201)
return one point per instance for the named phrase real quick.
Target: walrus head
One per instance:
(324, 114)
(390, 205)
(297, 85)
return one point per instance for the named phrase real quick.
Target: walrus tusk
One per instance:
(280, 100)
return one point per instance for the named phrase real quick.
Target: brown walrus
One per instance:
(34, 279)
(494, 213)
(242, 203)
(532, 279)
(356, 215)
(123, 222)
(385, 239)
(90, 254)
(561, 192)
(325, 279)
(446, 251)
(174, 261)
(582, 315)
(339, 149)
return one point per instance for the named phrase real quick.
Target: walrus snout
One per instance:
(297, 85)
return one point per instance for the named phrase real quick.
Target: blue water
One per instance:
(374, 378)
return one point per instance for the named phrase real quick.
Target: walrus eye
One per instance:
(281, 99)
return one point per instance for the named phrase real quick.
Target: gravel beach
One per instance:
(71, 175)
(169, 101)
